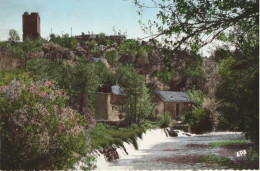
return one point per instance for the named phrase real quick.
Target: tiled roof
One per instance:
(117, 90)
(173, 96)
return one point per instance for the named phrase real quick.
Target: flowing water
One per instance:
(155, 146)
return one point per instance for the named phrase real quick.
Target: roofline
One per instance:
(171, 91)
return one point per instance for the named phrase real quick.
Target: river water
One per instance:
(157, 151)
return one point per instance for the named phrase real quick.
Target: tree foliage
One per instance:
(111, 57)
(64, 41)
(196, 22)
(13, 36)
(83, 78)
(38, 131)
(239, 85)
(138, 105)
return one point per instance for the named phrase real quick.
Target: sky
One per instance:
(59, 16)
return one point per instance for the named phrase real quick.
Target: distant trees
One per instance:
(64, 41)
(13, 36)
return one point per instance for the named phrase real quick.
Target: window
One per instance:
(114, 108)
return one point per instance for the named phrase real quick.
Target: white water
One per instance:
(149, 139)
(152, 146)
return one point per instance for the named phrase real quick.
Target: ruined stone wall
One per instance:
(101, 103)
(159, 108)
(105, 110)
(116, 111)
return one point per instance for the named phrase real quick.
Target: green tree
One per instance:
(21, 50)
(111, 57)
(127, 47)
(13, 36)
(83, 78)
(138, 105)
(187, 21)
(238, 88)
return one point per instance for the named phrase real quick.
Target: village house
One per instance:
(109, 103)
(174, 102)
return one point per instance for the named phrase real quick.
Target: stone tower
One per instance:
(31, 26)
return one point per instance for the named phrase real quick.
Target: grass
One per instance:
(214, 159)
(222, 161)
(217, 160)
(224, 143)
(104, 135)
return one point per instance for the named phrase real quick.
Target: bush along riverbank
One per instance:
(109, 142)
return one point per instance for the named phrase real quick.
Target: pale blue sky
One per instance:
(82, 15)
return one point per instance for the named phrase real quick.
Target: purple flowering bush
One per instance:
(38, 130)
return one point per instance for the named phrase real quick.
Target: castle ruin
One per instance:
(31, 25)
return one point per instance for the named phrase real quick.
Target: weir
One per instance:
(149, 139)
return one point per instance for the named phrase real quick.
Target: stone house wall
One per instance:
(162, 107)
(107, 107)
(159, 108)
(101, 104)
(171, 108)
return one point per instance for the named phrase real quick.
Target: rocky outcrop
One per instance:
(110, 153)
(54, 52)
(172, 133)
(8, 62)
(155, 84)
(80, 51)
(180, 126)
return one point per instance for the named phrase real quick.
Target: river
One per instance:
(157, 151)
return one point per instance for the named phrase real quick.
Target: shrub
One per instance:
(38, 131)
(104, 135)
(164, 119)
(65, 41)
(199, 121)
(111, 57)
(92, 44)
(149, 125)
